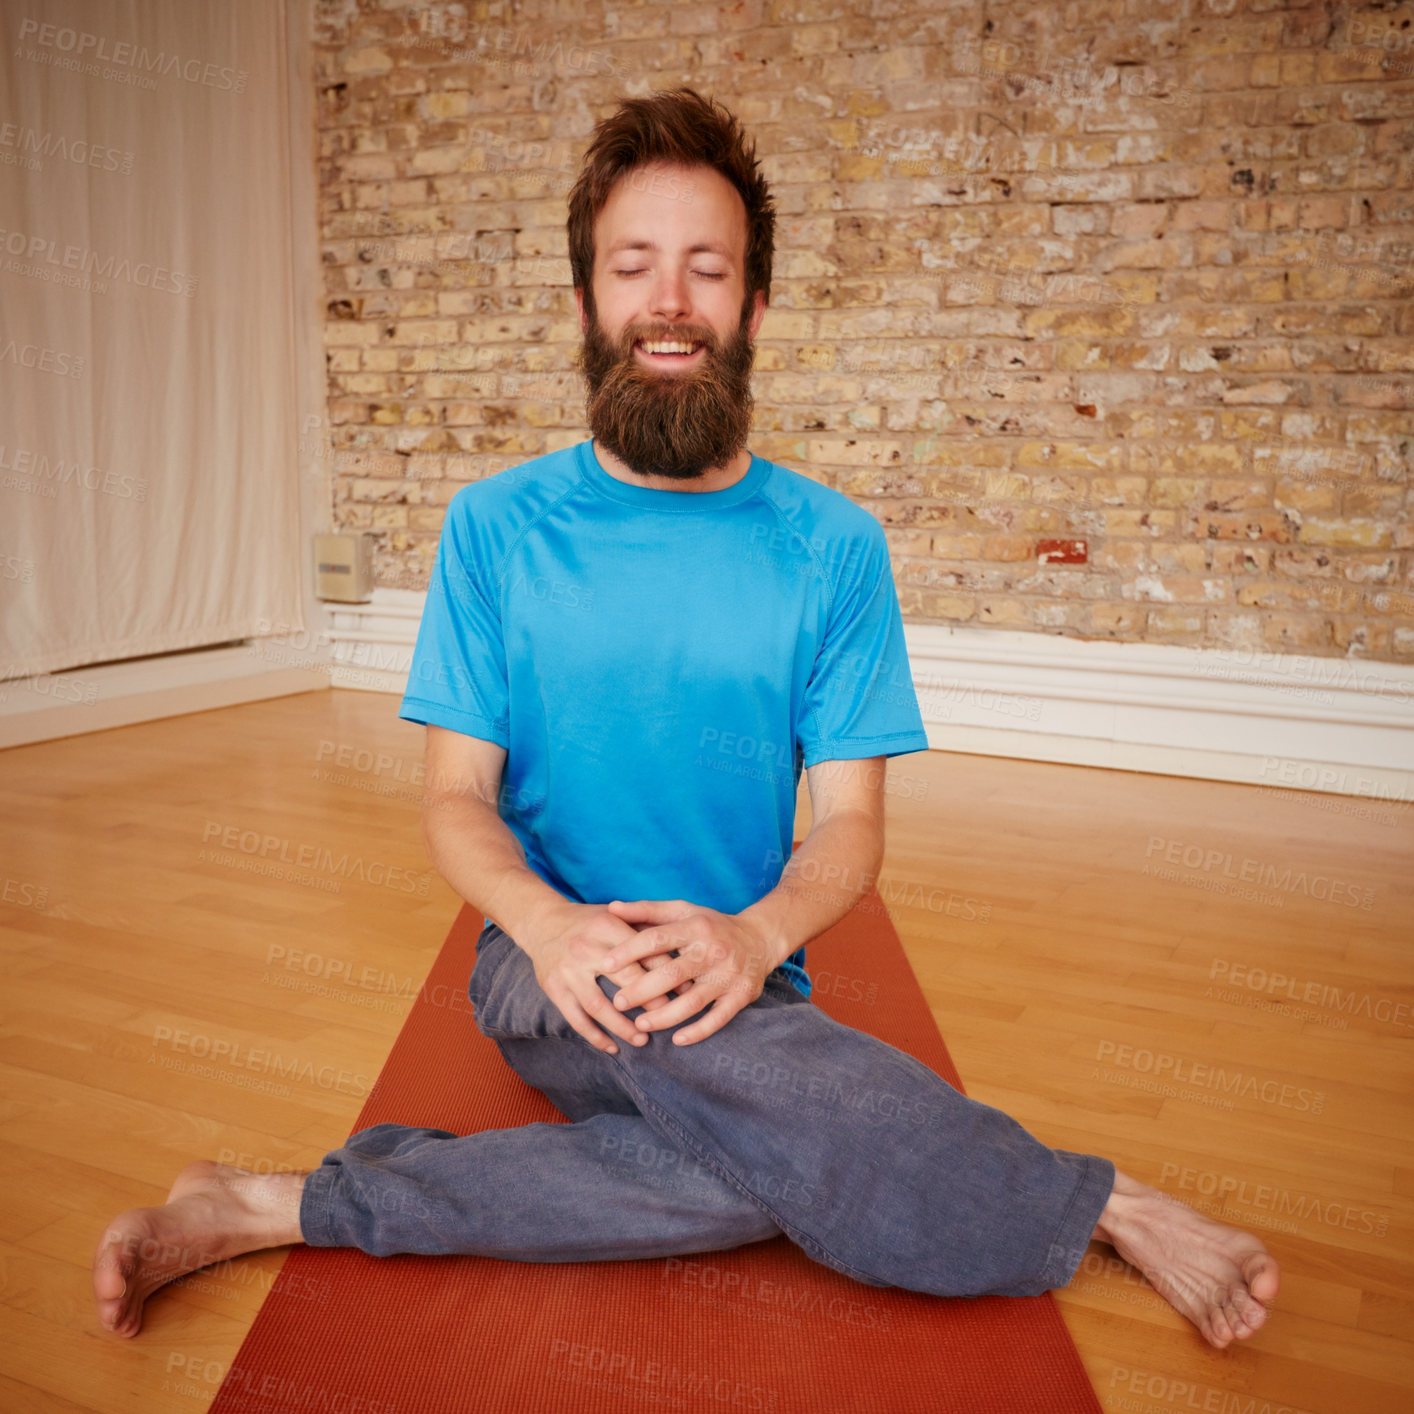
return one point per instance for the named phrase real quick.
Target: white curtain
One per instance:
(149, 484)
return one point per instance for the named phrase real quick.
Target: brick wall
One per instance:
(1108, 318)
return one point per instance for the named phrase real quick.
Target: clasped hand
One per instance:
(721, 962)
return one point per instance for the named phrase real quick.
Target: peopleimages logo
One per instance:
(1185, 1394)
(1280, 988)
(745, 1288)
(83, 51)
(45, 360)
(1278, 1202)
(48, 472)
(274, 849)
(29, 147)
(1258, 872)
(257, 1060)
(1167, 1069)
(26, 247)
(622, 1371)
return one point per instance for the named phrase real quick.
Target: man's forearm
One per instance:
(835, 866)
(475, 851)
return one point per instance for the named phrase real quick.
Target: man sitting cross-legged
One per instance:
(632, 647)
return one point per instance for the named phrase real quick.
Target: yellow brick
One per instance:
(946, 606)
(1175, 621)
(1139, 522)
(1206, 458)
(370, 489)
(348, 331)
(366, 61)
(373, 384)
(1346, 66)
(1178, 559)
(1312, 594)
(1265, 71)
(424, 333)
(1175, 491)
(855, 453)
(1238, 495)
(447, 105)
(1082, 455)
(855, 168)
(1116, 619)
(1015, 612)
(1123, 555)
(1008, 547)
(1074, 356)
(1099, 324)
(881, 484)
(1006, 486)
(1119, 490)
(1304, 495)
(1288, 631)
(1053, 489)
(955, 547)
(1043, 520)
(1245, 424)
(1346, 532)
(961, 452)
(1382, 501)
(958, 484)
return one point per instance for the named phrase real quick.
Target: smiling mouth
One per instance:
(668, 351)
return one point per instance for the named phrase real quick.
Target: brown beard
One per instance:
(677, 425)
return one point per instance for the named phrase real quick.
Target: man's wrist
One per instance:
(524, 906)
(767, 920)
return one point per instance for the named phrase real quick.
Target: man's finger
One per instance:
(580, 1020)
(643, 944)
(625, 975)
(679, 1009)
(600, 1007)
(582, 1013)
(649, 910)
(657, 983)
(721, 1012)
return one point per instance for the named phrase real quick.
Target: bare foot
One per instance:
(1218, 1276)
(213, 1212)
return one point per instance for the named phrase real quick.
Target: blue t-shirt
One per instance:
(659, 666)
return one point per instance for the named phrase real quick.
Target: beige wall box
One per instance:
(343, 568)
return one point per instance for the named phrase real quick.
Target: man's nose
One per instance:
(669, 298)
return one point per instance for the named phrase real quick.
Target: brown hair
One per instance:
(680, 126)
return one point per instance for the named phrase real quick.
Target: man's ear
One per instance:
(579, 303)
(758, 313)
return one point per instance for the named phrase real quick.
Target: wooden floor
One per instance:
(151, 974)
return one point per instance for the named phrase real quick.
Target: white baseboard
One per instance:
(372, 643)
(1344, 726)
(1339, 725)
(99, 696)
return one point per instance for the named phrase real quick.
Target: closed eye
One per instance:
(706, 274)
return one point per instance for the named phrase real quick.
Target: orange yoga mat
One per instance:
(756, 1328)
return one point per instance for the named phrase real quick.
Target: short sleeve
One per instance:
(458, 674)
(860, 700)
